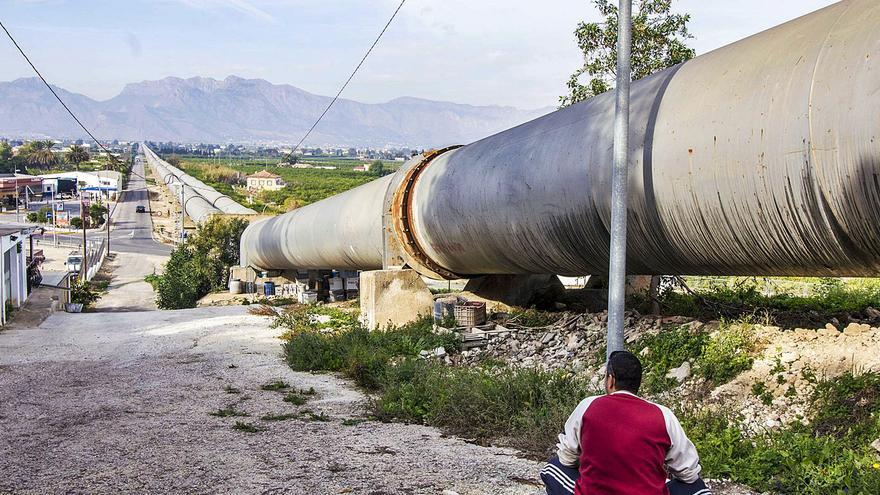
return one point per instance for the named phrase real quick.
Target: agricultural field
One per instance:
(304, 185)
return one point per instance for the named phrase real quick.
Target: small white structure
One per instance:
(265, 180)
(13, 269)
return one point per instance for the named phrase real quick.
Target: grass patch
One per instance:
(276, 386)
(246, 427)
(735, 297)
(278, 417)
(525, 408)
(831, 456)
(228, 411)
(360, 354)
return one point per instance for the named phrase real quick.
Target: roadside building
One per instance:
(265, 181)
(21, 186)
(94, 184)
(13, 269)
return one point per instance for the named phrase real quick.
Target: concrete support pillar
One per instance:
(393, 297)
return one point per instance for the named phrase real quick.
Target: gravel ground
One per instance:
(120, 403)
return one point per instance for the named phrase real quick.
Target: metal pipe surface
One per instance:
(619, 181)
(759, 158)
(194, 205)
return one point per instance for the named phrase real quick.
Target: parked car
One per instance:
(140, 209)
(74, 262)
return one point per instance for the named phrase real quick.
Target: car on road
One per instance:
(74, 262)
(140, 209)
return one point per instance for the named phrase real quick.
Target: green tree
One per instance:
(378, 168)
(77, 155)
(658, 42)
(201, 265)
(39, 154)
(96, 214)
(5, 152)
(76, 222)
(174, 161)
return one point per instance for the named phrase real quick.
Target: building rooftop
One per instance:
(263, 174)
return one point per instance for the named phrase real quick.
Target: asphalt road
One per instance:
(132, 232)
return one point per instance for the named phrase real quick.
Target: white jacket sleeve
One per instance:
(569, 447)
(682, 460)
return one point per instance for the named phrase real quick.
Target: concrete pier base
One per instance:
(393, 297)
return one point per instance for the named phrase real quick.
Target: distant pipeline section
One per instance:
(759, 158)
(200, 201)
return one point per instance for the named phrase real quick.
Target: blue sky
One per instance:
(504, 52)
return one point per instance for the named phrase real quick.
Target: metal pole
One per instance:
(84, 265)
(17, 217)
(617, 267)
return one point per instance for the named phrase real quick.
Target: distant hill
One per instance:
(246, 110)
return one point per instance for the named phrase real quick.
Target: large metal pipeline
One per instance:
(211, 195)
(759, 158)
(195, 206)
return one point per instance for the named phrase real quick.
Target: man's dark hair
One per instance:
(626, 369)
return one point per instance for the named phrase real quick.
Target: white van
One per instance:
(74, 262)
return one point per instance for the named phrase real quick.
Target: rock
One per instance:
(872, 313)
(876, 445)
(805, 334)
(548, 337)
(424, 354)
(645, 352)
(694, 326)
(855, 329)
(449, 492)
(681, 373)
(559, 305)
(771, 423)
(829, 331)
(439, 352)
(789, 357)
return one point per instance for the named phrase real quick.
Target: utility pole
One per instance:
(17, 217)
(84, 266)
(617, 266)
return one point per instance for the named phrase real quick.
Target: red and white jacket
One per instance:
(623, 444)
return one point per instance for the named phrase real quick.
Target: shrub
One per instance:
(201, 265)
(727, 353)
(83, 293)
(666, 350)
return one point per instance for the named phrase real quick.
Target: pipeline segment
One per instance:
(211, 195)
(759, 158)
(195, 206)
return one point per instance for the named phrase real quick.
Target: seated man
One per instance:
(619, 443)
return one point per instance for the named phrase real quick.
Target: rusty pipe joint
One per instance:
(402, 246)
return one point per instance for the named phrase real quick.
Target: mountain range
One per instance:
(246, 110)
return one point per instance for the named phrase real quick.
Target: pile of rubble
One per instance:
(777, 389)
(574, 342)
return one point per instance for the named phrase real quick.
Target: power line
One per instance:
(54, 93)
(376, 42)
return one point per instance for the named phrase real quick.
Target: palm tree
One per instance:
(77, 155)
(39, 154)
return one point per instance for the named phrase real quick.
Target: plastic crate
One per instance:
(470, 314)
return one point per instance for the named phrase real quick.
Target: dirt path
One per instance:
(120, 402)
(127, 290)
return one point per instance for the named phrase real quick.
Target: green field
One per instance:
(304, 186)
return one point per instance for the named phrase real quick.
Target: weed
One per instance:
(321, 417)
(295, 399)
(352, 421)
(728, 353)
(228, 411)
(276, 385)
(278, 417)
(246, 427)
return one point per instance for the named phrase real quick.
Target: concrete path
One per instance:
(120, 403)
(128, 291)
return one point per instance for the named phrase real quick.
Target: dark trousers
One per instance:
(560, 480)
